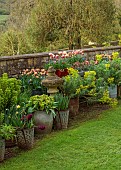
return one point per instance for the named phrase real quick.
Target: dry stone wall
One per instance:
(14, 65)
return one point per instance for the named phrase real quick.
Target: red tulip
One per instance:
(58, 73)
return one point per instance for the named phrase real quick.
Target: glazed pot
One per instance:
(43, 122)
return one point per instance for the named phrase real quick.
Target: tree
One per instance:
(54, 24)
(78, 21)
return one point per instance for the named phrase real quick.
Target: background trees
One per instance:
(77, 21)
(54, 24)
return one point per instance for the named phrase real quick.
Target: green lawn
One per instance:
(94, 144)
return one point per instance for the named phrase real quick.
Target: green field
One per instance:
(3, 18)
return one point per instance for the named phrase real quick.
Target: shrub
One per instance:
(9, 91)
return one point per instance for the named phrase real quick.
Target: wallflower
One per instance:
(89, 73)
(111, 80)
(72, 71)
(107, 66)
(115, 55)
(99, 57)
(67, 78)
(78, 91)
(18, 106)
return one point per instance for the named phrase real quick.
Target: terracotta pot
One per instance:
(2, 149)
(61, 120)
(25, 138)
(73, 106)
(119, 91)
(43, 122)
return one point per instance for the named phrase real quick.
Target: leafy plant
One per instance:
(31, 80)
(24, 97)
(107, 100)
(7, 131)
(71, 83)
(19, 117)
(62, 101)
(41, 102)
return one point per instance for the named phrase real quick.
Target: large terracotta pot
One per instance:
(2, 149)
(73, 106)
(119, 91)
(25, 138)
(43, 122)
(61, 120)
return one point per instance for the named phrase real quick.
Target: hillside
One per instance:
(4, 7)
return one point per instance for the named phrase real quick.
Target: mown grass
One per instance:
(94, 144)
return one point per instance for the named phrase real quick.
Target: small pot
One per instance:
(25, 138)
(61, 120)
(2, 149)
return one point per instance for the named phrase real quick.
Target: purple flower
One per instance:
(41, 127)
(29, 116)
(26, 118)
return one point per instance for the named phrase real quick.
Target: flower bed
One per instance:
(18, 103)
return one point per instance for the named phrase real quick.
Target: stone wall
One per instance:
(14, 65)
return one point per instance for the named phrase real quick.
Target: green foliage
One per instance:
(7, 131)
(62, 101)
(1, 118)
(23, 97)
(9, 91)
